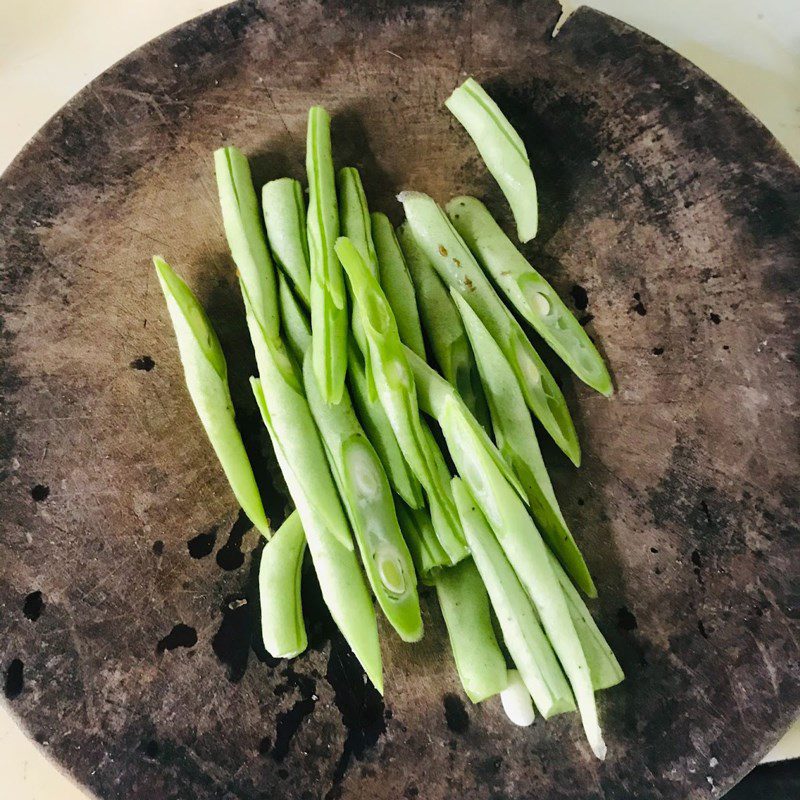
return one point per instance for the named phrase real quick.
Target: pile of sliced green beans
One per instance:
(405, 477)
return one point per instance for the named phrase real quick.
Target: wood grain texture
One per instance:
(668, 214)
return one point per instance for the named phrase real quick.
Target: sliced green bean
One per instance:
(295, 327)
(279, 583)
(443, 327)
(527, 554)
(379, 431)
(524, 638)
(396, 282)
(367, 498)
(293, 432)
(340, 579)
(432, 392)
(245, 234)
(394, 382)
(516, 438)
(603, 665)
(206, 374)
(501, 149)
(428, 555)
(328, 300)
(465, 608)
(285, 221)
(448, 253)
(530, 293)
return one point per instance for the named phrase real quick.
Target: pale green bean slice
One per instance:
(479, 661)
(396, 282)
(501, 149)
(527, 553)
(530, 293)
(448, 253)
(245, 234)
(443, 327)
(293, 432)
(295, 327)
(206, 376)
(426, 551)
(285, 221)
(340, 579)
(517, 441)
(523, 636)
(603, 665)
(279, 583)
(394, 382)
(328, 300)
(367, 498)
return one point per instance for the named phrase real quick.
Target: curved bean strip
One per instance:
(206, 374)
(279, 582)
(295, 327)
(529, 292)
(367, 498)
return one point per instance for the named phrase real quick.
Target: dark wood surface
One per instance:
(669, 218)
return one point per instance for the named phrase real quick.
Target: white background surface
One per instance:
(49, 49)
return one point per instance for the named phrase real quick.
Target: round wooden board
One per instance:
(668, 214)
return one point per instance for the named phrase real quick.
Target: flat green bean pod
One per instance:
(501, 149)
(293, 431)
(394, 382)
(529, 292)
(447, 251)
(479, 661)
(524, 638)
(527, 554)
(396, 281)
(367, 498)
(245, 234)
(279, 583)
(285, 220)
(603, 665)
(428, 555)
(206, 376)
(328, 300)
(338, 571)
(517, 441)
(295, 327)
(443, 327)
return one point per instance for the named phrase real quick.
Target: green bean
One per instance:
(443, 327)
(603, 665)
(295, 327)
(522, 633)
(452, 259)
(516, 439)
(279, 584)
(285, 221)
(527, 554)
(242, 220)
(206, 375)
(428, 555)
(379, 431)
(395, 386)
(293, 432)
(479, 661)
(396, 283)
(367, 498)
(339, 573)
(530, 293)
(501, 149)
(432, 392)
(328, 300)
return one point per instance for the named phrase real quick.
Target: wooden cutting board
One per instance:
(669, 221)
